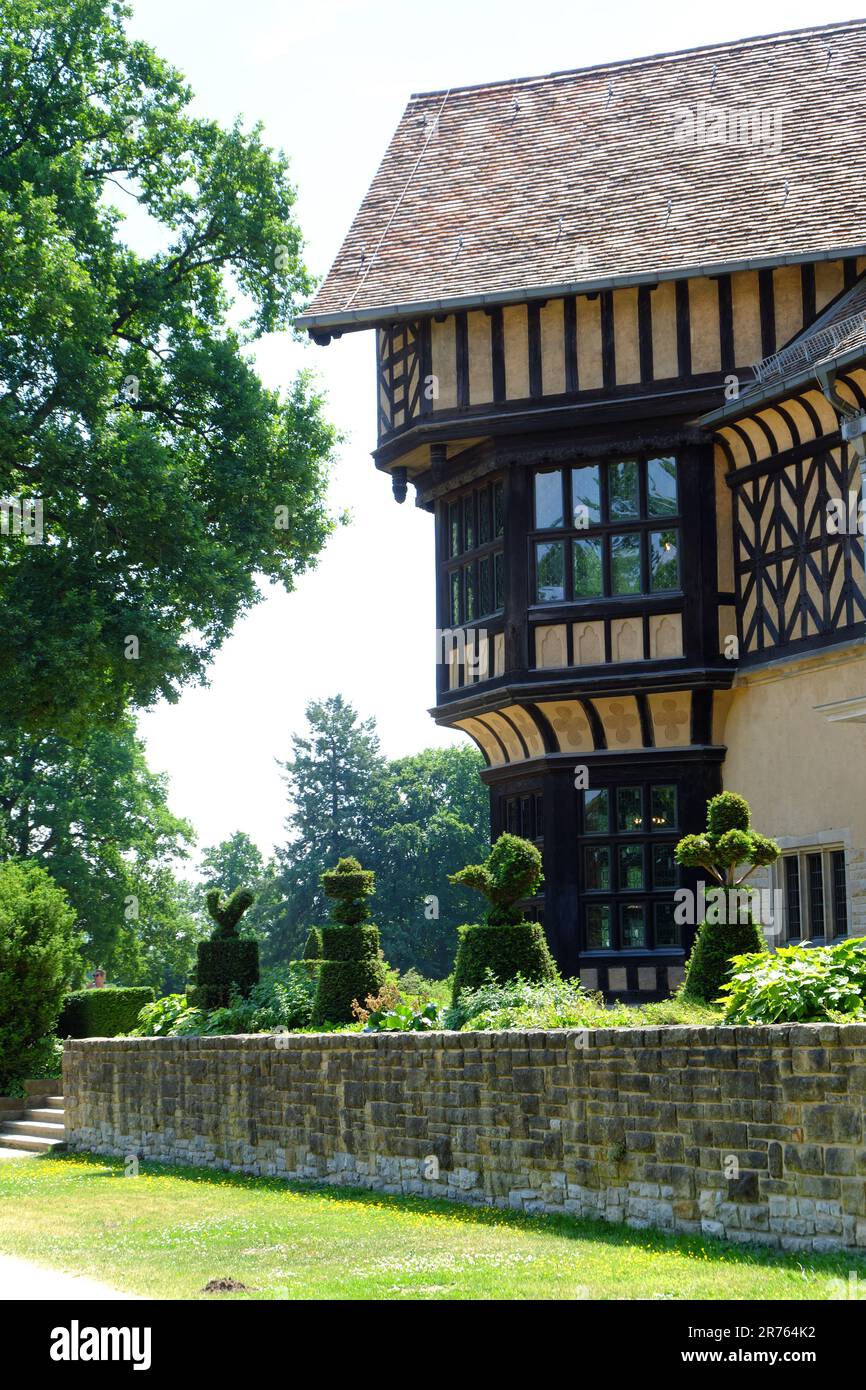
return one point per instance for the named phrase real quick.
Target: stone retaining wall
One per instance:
(756, 1134)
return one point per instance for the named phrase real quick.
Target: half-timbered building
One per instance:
(620, 327)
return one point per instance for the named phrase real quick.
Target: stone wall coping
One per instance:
(783, 1034)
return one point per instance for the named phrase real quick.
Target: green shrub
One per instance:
(313, 947)
(504, 952)
(351, 969)
(559, 1003)
(102, 1013)
(505, 945)
(227, 964)
(38, 952)
(726, 931)
(713, 953)
(805, 984)
(283, 1000)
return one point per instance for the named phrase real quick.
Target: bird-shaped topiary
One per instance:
(350, 969)
(506, 944)
(729, 928)
(227, 964)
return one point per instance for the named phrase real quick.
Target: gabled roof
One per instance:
(581, 180)
(836, 338)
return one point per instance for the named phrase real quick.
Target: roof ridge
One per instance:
(618, 65)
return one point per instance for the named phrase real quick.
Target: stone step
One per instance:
(52, 1102)
(31, 1143)
(51, 1116)
(34, 1129)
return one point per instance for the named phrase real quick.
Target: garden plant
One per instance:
(228, 964)
(350, 968)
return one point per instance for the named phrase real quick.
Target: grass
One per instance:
(169, 1231)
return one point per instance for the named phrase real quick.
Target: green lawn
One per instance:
(169, 1231)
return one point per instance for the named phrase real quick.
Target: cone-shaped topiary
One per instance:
(728, 929)
(506, 943)
(350, 968)
(313, 948)
(227, 964)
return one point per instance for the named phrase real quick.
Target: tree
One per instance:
(97, 819)
(437, 818)
(336, 786)
(38, 949)
(170, 476)
(729, 928)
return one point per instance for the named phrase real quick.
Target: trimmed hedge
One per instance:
(313, 948)
(102, 1013)
(711, 961)
(350, 943)
(341, 981)
(517, 949)
(227, 965)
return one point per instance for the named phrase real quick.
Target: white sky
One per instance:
(329, 79)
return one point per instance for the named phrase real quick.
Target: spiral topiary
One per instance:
(350, 968)
(506, 944)
(227, 964)
(727, 843)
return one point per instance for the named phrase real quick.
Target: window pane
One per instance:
(485, 517)
(548, 499)
(549, 572)
(587, 569)
(625, 563)
(469, 585)
(499, 580)
(596, 811)
(539, 815)
(585, 496)
(498, 510)
(622, 485)
(792, 896)
(667, 932)
(485, 586)
(840, 895)
(630, 868)
(512, 816)
(454, 529)
(816, 894)
(629, 809)
(455, 598)
(661, 487)
(664, 560)
(632, 927)
(664, 808)
(596, 860)
(598, 928)
(469, 523)
(664, 867)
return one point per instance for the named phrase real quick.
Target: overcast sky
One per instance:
(329, 79)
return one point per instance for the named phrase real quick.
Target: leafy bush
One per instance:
(38, 951)
(559, 1003)
(389, 1012)
(511, 871)
(283, 1000)
(419, 990)
(351, 968)
(805, 984)
(727, 930)
(228, 964)
(102, 1013)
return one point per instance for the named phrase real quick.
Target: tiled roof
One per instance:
(578, 178)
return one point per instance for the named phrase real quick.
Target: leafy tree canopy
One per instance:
(96, 817)
(169, 476)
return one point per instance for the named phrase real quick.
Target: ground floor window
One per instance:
(628, 873)
(815, 892)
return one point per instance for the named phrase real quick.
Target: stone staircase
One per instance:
(38, 1129)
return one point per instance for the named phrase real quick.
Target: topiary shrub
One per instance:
(729, 929)
(38, 952)
(350, 969)
(102, 1013)
(313, 947)
(506, 944)
(227, 964)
